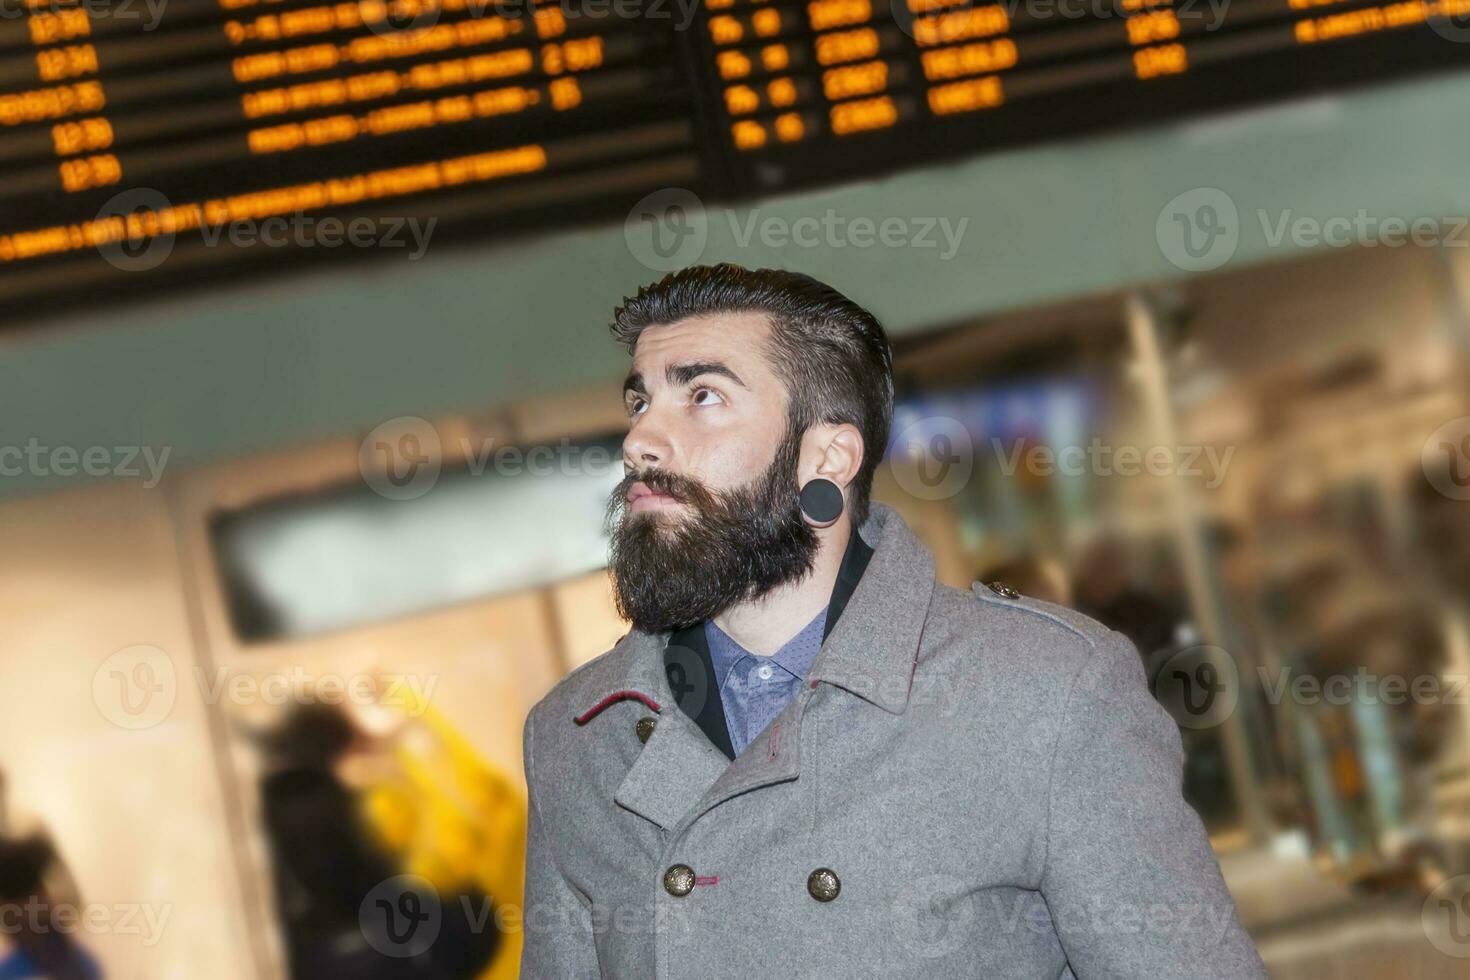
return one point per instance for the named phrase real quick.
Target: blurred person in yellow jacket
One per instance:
(454, 819)
(398, 850)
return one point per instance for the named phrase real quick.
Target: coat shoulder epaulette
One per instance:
(999, 594)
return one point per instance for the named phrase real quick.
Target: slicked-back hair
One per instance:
(832, 355)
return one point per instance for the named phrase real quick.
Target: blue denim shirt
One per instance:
(755, 689)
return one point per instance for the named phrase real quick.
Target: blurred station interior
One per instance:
(1159, 356)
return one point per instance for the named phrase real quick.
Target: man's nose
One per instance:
(645, 445)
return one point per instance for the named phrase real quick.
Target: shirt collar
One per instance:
(855, 559)
(795, 656)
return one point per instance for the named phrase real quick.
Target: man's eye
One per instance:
(714, 396)
(636, 406)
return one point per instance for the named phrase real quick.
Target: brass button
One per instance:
(1003, 590)
(824, 884)
(645, 727)
(679, 880)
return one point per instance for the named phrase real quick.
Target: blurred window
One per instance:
(353, 556)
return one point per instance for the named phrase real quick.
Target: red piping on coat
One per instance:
(614, 698)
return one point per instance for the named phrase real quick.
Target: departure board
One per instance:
(811, 91)
(124, 123)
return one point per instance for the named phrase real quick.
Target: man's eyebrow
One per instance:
(634, 383)
(685, 373)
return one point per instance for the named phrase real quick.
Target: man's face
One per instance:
(708, 513)
(703, 402)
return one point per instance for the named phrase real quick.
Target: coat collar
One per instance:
(878, 608)
(871, 652)
(873, 649)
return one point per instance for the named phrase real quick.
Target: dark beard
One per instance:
(672, 571)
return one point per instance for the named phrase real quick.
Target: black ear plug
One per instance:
(821, 501)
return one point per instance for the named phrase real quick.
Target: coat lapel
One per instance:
(678, 763)
(674, 769)
(774, 757)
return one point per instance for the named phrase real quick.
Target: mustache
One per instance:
(682, 488)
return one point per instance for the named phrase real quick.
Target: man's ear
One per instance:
(833, 452)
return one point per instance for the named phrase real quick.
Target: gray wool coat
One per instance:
(968, 785)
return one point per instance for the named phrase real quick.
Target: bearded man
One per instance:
(807, 758)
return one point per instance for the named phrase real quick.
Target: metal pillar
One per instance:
(1143, 331)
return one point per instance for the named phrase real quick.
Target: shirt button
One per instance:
(764, 672)
(679, 880)
(645, 727)
(823, 884)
